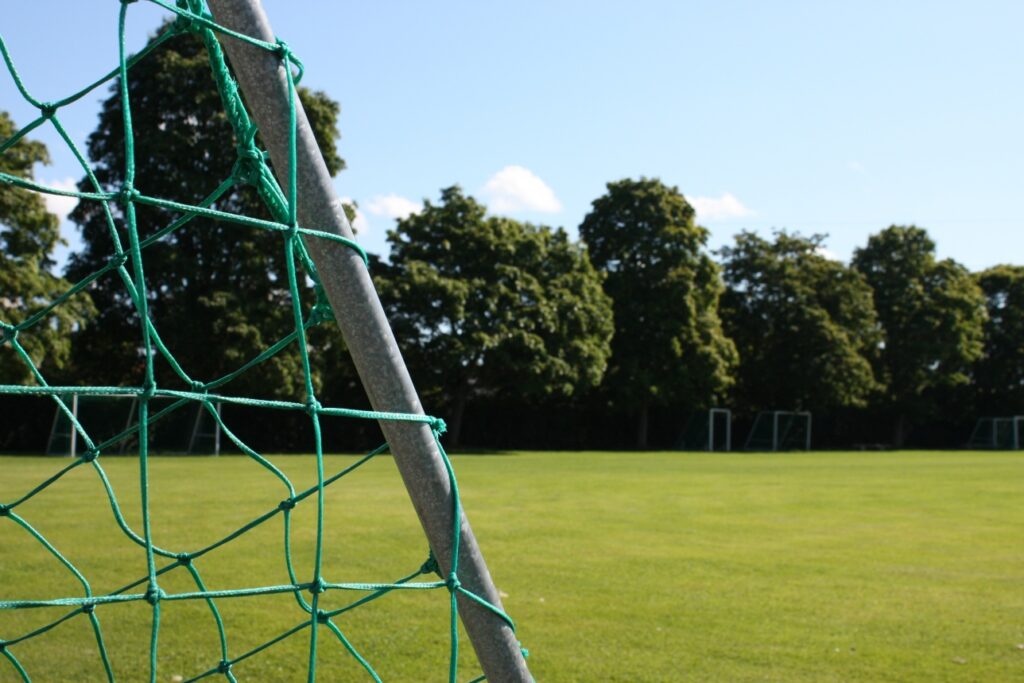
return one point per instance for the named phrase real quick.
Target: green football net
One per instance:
(156, 575)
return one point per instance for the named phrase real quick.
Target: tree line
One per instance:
(515, 333)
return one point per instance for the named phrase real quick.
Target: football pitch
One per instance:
(901, 566)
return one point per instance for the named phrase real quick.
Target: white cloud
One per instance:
(719, 208)
(393, 206)
(360, 224)
(515, 188)
(58, 204)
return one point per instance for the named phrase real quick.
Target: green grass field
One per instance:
(616, 567)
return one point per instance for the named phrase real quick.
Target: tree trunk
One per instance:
(458, 410)
(641, 427)
(899, 435)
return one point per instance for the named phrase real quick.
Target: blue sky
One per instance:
(828, 117)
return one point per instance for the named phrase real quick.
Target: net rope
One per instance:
(126, 263)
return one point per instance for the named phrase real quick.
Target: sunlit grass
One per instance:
(617, 567)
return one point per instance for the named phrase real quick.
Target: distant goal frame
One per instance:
(709, 443)
(776, 442)
(1016, 423)
(70, 409)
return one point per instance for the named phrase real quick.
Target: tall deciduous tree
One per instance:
(28, 236)
(999, 373)
(669, 347)
(219, 291)
(932, 315)
(804, 324)
(489, 305)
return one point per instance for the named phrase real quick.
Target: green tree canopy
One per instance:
(219, 291)
(999, 373)
(669, 347)
(804, 324)
(489, 305)
(932, 315)
(28, 236)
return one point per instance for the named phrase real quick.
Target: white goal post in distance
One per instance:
(108, 415)
(205, 429)
(780, 430)
(707, 430)
(722, 414)
(63, 439)
(999, 433)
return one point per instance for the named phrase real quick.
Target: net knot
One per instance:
(283, 51)
(322, 312)
(430, 566)
(322, 616)
(439, 426)
(90, 455)
(48, 109)
(526, 653)
(118, 260)
(318, 586)
(88, 608)
(3, 646)
(155, 594)
(285, 54)
(4, 510)
(198, 386)
(185, 22)
(184, 559)
(248, 151)
(313, 406)
(224, 666)
(286, 504)
(249, 163)
(149, 389)
(453, 582)
(127, 194)
(11, 334)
